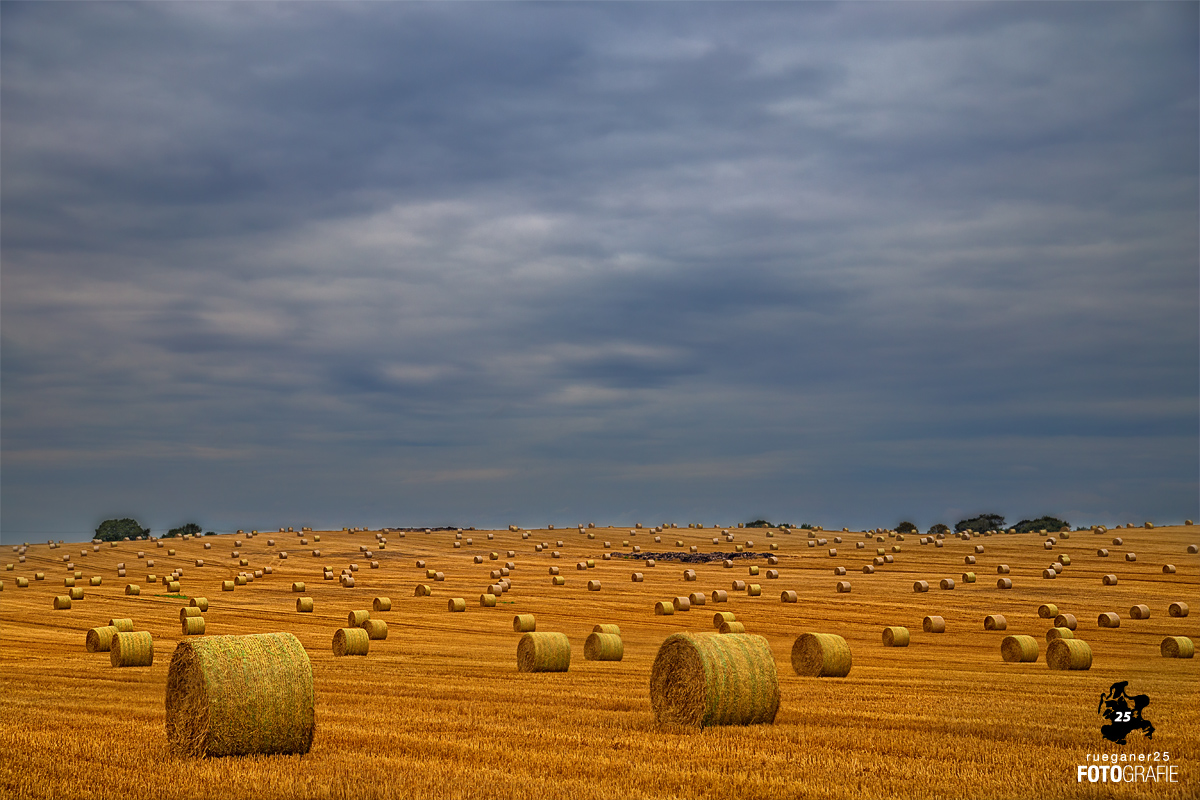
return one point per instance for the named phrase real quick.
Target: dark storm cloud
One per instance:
(496, 262)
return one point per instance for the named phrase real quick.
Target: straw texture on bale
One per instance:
(524, 623)
(192, 626)
(821, 655)
(1179, 609)
(1177, 647)
(351, 642)
(1071, 654)
(603, 647)
(1109, 619)
(721, 617)
(131, 649)
(664, 609)
(188, 611)
(173, 587)
(376, 629)
(355, 619)
(732, 627)
(487, 601)
(1019, 649)
(995, 622)
(75, 592)
(298, 586)
(933, 624)
(1059, 633)
(304, 605)
(1047, 611)
(754, 590)
(121, 624)
(895, 636)
(544, 652)
(99, 640)
(705, 679)
(226, 586)
(1140, 611)
(240, 695)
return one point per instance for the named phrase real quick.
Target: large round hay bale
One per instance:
(1059, 633)
(706, 679)
(304, 605)
(1019, 649)
(895, 636)
(731, 627)
(355, 619)
(61, 603)
(821, 655)
(487, 600)
(1179, 609)
(720, 596)
(99, 640)
(192, 626)
(603, 647)
(75, 592)
(682, 603)
(664, 609)
(131, 649)
(995, 622)
(788, 596)
(524, 623)
(132, 589)
(593, 586)
(351, 642)
(1047, 611)
(1109, 619)
(1072, 654)
(298, 586)
(1140, 611)
(376, 629)
(1108, 580)
(933, 624)
(227, 586)
(921, 586)
(422, 590)
(543, 652)
(754, 590)
(188, 611)
(240, 695)
(457, 604)
(615, 630)
(1177, 647)
(121, 624)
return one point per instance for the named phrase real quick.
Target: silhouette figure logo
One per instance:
(1124, 713)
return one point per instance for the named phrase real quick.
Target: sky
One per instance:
(409, 264)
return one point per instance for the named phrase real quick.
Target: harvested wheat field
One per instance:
(439, 707)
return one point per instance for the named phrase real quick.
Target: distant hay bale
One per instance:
(132, 589)
(1140, 611)
(705, 679)
(189, 611)
(946, 583)
(1130, 557)
(995, 622)
(192, 626)
(351, 642)
(843, 587)
(1049, 574)
(603, 647)
(821, 655)
(637, 577)
(1002, 569)
(1069, 654)
(731, 627)
(1168, 569)
(1109, 580)
(933, 624)
(381, 604)
(788, 596)
(298, 586)
(868, 569)
(1109, 619)
(1193, 549)
(895, 636)
(376, 629)
(689, 574)
(968, 560)
(1019, 649)
(1059, 633)
(1102, 553)
(75, 592)
(1179, 609)
(422, 590)
(173, 587)
(524, 623)
(1066, 621)
(62, 603)
(968, 577)
(1117, 542)
(698, 598)
(355, 619)
(99, 640)
(131, 649)
(304, 605)
(593, 586)
(720, 596)
(1177, 647)
(543, 652)
(96, 580)
(921, 587)
(664, 609)
(1047, 611)
(456, 604)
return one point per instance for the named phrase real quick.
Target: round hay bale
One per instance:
(720, 596)
(843, 587)
(1117, 542)
(705, 679)
(895, 636)
(1059, 633)
(995, 622)
(664, 609)
(1002, 569)
(544, 652)
(487, 600)
(298, 586)
(1193, 549)
(1140, 611)
(376, 629)
(553, 570)
(968, 560)
(1168, 569)
(304, 605)
(1072, 654)
(1019, 649)
(75, 593)
(754, 590)
(351, 642)
(355, 619)
(381, 604)
(1109, 619)
(839, 570)
(422, 590)
(946, 583)
(933, 625)
(593, 586)
(524, 623)
(457, 604)
(1066, 621)
(682, 603)
(240, 695)
(698, 598)
(558, 580)
(921, 587)
(1102, 553)
(131, 649)
(192, 626)
(637, 577)
(1047, 611)
(615, 630)
(603, 647)
(1177, 647)
(1179, 609)
(1109, 580)
(96, 580)
(788, 596)
(62, 603)
(227, 586)
(188, 611)
(99, 640)
(689, 574)
(173, 587)
(123, 624)
(731, 627)
(968, 577)
(1130, 557)
(132, 589)
(821, 655)
(721, 617)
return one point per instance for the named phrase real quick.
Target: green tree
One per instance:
(984, 522)
(906, 527)
(1041, 523)
(759, 523)
(190, 529)
(939, 528)
(114, 530)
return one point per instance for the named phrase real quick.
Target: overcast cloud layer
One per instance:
(410, 264)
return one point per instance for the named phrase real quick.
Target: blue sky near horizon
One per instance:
(478, 264)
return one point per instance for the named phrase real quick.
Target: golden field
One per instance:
(438, 709)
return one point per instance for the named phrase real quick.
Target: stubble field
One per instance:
(438, 709)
